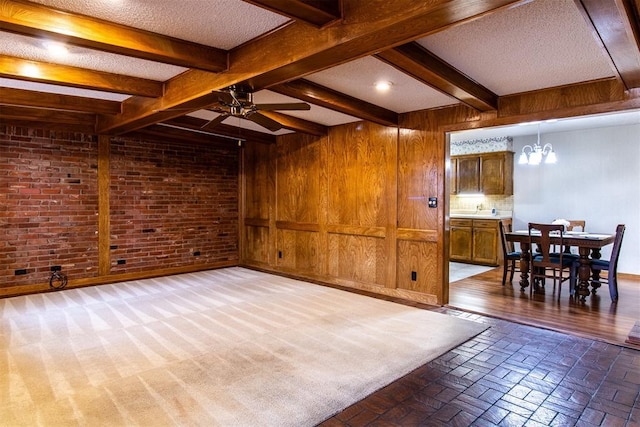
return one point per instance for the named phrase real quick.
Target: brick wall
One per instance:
(48, 205)
(172, 205)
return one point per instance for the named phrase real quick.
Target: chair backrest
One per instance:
(544, 243)
(615, 252)
(506, 246)
(575, 223)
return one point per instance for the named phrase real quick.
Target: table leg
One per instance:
(584, 274)
(595, 274)
(524, 266)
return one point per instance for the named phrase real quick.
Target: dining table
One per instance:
(588, 244)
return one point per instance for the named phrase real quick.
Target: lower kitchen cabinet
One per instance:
(475, 241)
(460, 239)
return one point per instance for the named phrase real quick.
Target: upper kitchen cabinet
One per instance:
(486, 173)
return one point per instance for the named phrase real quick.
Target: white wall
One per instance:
(596, 178)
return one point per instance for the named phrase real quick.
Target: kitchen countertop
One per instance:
(481, 215)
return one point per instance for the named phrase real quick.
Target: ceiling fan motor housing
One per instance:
(243, 96)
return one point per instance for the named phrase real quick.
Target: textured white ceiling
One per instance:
(224, 24)
(544, 43)
(357, 78)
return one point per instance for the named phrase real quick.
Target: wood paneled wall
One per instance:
(335, 217)
(352, 209)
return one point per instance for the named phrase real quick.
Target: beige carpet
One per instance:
(229, 347)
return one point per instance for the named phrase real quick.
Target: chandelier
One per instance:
(533, 155)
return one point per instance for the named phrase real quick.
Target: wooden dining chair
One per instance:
(511, 257)
(545, 264)
(611, 265)
(574, 224)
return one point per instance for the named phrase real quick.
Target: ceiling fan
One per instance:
(237, 101)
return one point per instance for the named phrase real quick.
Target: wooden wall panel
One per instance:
(421, 159)
(256, 245)
(421, 258)
(298, 178)
(358, 156)
(257, 176)
(298, 251)
(357, 258)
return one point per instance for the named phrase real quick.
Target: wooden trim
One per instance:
(105, 280)
(354, 230)
(418, 235)
(256, 222)
(350, 284)
(297, 226)
(43, 116)
(104, 209)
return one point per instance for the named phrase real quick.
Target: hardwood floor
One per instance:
(597, 318)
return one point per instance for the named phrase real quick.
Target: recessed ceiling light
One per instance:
(383, 85)
(55, 48)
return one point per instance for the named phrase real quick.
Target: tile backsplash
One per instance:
(501, 203)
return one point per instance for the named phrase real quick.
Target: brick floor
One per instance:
(510, 375)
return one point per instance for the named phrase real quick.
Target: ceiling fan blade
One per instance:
(285, 106)
(265, 122)
(223, 97)
(214, 122)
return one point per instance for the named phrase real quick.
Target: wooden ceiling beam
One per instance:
(21, 97)
(9, 112)
(64, 75)
(320, 95)
(369, 26)
(318, 13)
(45, 22)
(617, 27)
(418, 62)
(296, 124)
(231, 132)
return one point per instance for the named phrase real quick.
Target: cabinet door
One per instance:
(460, 243)
(468, 174)
(485, 245)
(496, 173)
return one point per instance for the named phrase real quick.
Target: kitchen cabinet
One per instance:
(460, 239)
(486, 173)
(475, 241)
